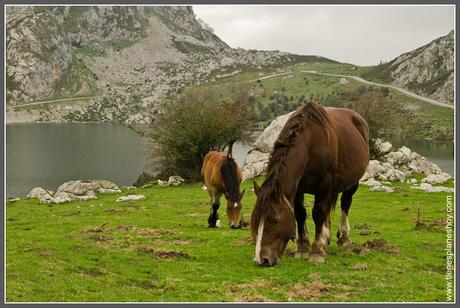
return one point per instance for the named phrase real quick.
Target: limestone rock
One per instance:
(429, 188)
(130, 198)
(41, 194)
(175, 180)
(437, 178)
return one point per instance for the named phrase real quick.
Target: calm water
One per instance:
(48, 155)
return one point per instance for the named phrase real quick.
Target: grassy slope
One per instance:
(427, 118)
(52, 255)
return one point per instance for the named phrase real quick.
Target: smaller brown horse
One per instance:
(223, 176)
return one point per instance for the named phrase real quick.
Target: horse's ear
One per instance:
(256, 187)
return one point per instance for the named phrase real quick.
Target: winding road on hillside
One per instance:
(53, 101)
(404, 91)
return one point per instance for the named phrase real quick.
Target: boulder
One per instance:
(437, 178)
(83, 187)
(377, 186)
(268, 137)
(255, 164)
(383, 147)
(81, 190)
(41, 194)
(429, 188)
(175, 180)
(130, 198)
(343, 81)
(382, 188)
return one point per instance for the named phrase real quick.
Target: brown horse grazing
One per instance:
(222, 175)
(320, 151)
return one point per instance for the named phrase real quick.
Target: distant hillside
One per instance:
(129, 57)
(428, 70)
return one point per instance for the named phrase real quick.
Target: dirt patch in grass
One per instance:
(436, 225)
(45, 254)
(101, 238)
(143, 231)
(163, 254)
(92, 229)
(308, 291)
(382, 245)
(360, 266)
(249, 292)
(379, 244)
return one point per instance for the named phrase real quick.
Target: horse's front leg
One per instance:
(213, 219)
(303, 244)
(321, 212)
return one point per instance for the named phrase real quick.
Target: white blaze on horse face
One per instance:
(260, 232)
(235, 204)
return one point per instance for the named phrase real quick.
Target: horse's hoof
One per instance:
(345, 244)
(316, 258)
(218, 223)
(301, 255)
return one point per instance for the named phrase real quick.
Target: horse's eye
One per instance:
(274, 221)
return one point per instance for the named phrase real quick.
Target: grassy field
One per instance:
(160, 249)
(427, 121)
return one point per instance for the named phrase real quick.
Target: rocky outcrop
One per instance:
(397, 165)
(130, 56)
(428, 70)
(172, 180)
(257, 158)
(79, 190)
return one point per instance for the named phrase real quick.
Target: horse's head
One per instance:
(234, 209)
(273, 225)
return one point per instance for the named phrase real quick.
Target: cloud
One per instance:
(362, 35)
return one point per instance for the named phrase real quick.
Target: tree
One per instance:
(200, 120)
(382, 115)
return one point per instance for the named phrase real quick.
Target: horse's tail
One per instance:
(229, 175)
(230, 148)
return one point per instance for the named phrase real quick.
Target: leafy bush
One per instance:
(200, 120)
(381, 114)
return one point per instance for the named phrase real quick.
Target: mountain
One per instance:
(428, 70)
(126, 58)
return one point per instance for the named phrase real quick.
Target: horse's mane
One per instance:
(271, 190)
(228, 172)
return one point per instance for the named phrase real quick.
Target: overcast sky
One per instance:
(362, 35)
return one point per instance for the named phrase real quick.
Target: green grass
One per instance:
(54, 253)
(427, 121)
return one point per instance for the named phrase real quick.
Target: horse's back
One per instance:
(336, 156)
(352, 134)
(212, 164)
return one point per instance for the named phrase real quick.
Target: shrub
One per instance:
(381, 114)
(197, 121)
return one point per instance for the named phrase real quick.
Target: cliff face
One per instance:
(126, 57)
(428, 70)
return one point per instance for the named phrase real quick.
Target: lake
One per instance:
(48, 155)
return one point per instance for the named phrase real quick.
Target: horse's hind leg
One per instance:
(303, 244)
(344, 228)
(321, 212)
(213, 219)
